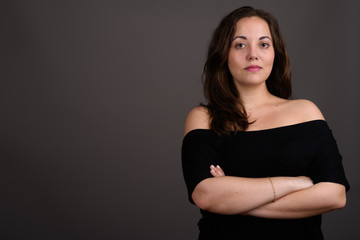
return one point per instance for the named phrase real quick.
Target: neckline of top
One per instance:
(321, 121)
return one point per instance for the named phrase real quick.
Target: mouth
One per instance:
(253, 68)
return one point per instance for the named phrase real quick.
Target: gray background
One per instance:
(93, 98)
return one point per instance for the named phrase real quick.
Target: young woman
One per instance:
(258, 165)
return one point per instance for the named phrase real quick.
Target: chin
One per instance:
(251, 81)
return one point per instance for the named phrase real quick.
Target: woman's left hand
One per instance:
(216, 171)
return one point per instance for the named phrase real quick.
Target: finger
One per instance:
(214, 171)
(220, 171)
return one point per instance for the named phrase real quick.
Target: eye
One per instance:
(265, 45)
(239, 45)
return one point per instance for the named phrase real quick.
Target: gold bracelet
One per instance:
(272, 185)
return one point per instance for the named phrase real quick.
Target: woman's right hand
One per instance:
(216, 171)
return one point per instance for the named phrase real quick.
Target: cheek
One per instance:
(233, 61)
(233, 67)
(230, 62)
(268, 60)
(271, 58)
(230, 59)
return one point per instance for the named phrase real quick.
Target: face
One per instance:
(251, 54)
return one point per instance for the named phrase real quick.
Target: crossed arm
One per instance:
(295, 197)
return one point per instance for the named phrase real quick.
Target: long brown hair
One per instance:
(226, 112)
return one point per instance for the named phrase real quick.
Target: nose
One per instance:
(252, 54)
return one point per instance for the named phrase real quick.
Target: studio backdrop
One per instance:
(93, 98)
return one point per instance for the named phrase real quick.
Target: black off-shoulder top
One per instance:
(304, 149)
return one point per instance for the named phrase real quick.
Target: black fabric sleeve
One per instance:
(198, 152)
(327, 165)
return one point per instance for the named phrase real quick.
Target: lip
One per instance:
(253, 68)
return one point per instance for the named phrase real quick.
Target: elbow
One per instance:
(201, 197)
(207, 199)
(340, 202)
(334, 195)
(339, 199)
(202, 203)
(209, 204)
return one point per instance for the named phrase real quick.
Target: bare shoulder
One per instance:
(197, 118)
(307, 110)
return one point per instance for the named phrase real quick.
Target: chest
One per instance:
(248, 155)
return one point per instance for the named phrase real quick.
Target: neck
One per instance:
(252, 97)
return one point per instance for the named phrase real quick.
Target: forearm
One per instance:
(318, 199)
(236, 195)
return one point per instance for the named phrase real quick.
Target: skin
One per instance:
(296, 197)
(251, 46)
(308, 202)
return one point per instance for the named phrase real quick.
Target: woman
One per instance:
(258, 165)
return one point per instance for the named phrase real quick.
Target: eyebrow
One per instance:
(245, 38)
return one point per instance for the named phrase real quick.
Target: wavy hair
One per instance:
(225, 110)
